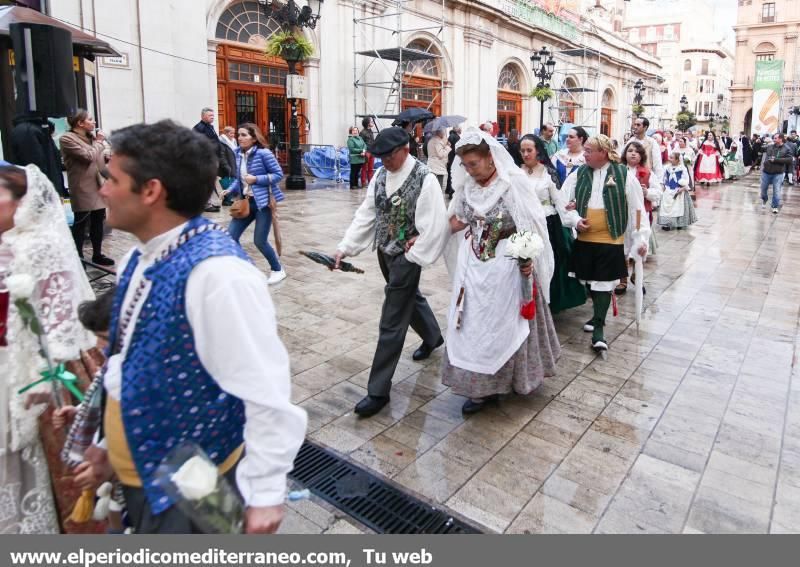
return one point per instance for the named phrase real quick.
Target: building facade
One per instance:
(766, 31)
(696, 61)
(183, 55)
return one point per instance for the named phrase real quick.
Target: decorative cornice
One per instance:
(478, 37)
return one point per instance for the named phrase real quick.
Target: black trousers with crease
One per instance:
(403, 306)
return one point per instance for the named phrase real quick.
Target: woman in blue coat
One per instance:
(256, 178)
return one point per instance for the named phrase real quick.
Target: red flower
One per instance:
(528, 310)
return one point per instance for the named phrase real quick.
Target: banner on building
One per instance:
(767, 88)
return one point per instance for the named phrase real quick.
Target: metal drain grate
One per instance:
(369, 499)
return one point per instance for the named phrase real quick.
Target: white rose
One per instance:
(20, 286)
(525, 245)
(196, 479)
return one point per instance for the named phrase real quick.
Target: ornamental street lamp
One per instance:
(543, 65)
(638, 96)
(292, 17)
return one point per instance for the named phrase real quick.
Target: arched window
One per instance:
(608, 98)
(245, 22)
(687, 65)
(509, 79)
(427, 67)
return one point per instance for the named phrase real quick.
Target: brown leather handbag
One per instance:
(240, 209)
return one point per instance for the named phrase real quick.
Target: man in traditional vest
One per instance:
(651, 147)
(190, 360)
(610, 204)
(404, 218)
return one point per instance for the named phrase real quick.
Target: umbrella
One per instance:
(413, 115)
(639, 272)
(444, 122)
(330, 262)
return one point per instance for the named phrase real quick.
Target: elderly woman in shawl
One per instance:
(39, 263)
(491, 348)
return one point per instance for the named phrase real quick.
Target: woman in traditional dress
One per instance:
(734, 163)
(35, 241)
(636, 159)
(677, 209)
(491, 348)
(708, 166)
(565, 292)
(571, 158)
(687, 157)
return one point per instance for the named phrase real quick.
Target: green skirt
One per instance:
(565, 292)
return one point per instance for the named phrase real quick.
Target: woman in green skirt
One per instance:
(565, 292)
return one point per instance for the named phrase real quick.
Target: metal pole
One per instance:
(295, 180)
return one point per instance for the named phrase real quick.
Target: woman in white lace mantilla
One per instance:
(34, 241)
(491, 349)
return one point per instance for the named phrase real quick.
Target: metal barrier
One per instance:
(323, 161)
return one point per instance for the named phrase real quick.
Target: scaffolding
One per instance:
(391, 61)
(583, 66)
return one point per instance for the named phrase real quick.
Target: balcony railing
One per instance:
(767, 19)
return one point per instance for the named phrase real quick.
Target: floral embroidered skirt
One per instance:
(523, 373)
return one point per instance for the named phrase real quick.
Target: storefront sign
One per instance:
(552, 16)
(767, 97)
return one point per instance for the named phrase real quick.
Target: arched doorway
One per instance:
(509, 100)
(568, 101)
(251, 86)
(748, 122)
(607, 109)
(422, 82)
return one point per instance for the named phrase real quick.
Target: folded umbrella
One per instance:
(639, 272)
(330, 262)
(448, 121)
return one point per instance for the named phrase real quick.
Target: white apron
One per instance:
(492, 329)
(672, 204)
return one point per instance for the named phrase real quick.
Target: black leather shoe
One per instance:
(424, 351)
(212, 209)
(471, 406)
(102, 260)
(371, 405)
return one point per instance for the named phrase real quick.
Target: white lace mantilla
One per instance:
(41, 246)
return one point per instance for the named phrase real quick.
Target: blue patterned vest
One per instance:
(168, 397)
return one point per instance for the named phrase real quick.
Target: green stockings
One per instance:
(601, 300)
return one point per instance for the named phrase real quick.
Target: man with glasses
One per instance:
(404, 218)
(776, 157)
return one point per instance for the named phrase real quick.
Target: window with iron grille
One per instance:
(246, 22)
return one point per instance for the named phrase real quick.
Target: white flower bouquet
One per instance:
(193, 481)
(525, 246)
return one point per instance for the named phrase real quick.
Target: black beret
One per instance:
(387, 140)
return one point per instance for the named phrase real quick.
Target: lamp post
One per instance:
(543, 65)
(291, 17)
(638, 95)
(684, 102)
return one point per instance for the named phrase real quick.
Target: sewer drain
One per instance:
(369, 499)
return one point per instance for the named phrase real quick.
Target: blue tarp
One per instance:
(322, 162)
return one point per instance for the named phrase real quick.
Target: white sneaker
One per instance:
(276, 277)
(764, 206)
(774, 210)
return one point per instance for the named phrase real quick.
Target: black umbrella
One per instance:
(330, 262)
(412, 116)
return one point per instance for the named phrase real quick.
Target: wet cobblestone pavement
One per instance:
(692, 425)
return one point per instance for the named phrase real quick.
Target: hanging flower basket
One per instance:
(637, 109)
(290, 46)
(542, 93)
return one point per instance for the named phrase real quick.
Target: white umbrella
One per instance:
(639, 275)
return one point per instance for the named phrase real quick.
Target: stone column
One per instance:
(313, 106)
